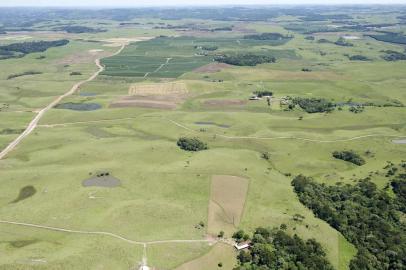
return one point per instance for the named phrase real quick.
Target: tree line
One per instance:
(20, 49)
(245, 59)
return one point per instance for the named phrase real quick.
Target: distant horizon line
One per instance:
(202, 6)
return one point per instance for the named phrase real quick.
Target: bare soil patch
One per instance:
(212, 68)
(83, 57)
(400, 141)
(154, 95)
(224, 102)
(95, 51)
(158, 89)
(226, 205)
(116, 42)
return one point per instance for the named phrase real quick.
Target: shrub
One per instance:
(263, 93)
(191, 144)
(75, 73)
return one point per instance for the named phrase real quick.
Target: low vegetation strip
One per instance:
(26, 73)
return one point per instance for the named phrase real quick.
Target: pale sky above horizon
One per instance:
(140, 3)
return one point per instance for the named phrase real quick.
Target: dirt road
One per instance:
(34, 122)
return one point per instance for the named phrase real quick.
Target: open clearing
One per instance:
(227, 200)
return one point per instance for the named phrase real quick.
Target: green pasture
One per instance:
(164, 191)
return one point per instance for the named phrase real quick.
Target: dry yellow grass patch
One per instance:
(116, 42)
(154, 95)
(226, 205)
(221, 252)
(158, 89)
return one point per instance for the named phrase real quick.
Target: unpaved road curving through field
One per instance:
(34, 122)
(57, 229)
(286, 137)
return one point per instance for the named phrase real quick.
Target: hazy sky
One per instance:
(135, 3)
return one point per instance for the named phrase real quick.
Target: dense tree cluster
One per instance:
(393, 55)
(267, 36)
(325, 17)
(78, 29)
(390, 37)
(349, 156)
(191, 144)
(314, 105)
(23, 48)
(399, 186)
(358, 57)
(245, 59)
(274, 249)
(207, 47)
(366, 216)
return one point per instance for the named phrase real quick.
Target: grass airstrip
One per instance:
(156, 91)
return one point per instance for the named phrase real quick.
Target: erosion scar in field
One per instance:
(32, 125)
(226, 205)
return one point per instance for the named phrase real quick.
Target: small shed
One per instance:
(241, 246)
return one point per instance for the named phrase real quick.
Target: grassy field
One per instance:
(165, 192)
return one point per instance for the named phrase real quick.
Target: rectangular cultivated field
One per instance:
(160, 57)
(227, 199)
